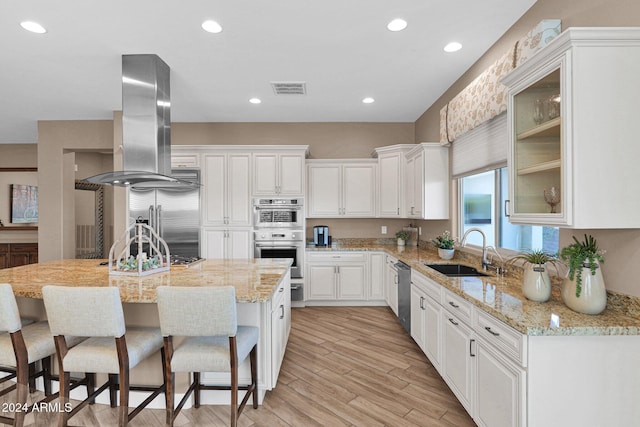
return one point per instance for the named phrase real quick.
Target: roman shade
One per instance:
(481, 149)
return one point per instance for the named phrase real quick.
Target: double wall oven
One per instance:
(278, 232)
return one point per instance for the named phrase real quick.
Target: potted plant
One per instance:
(536, 284)
(402, 236)
(583, 289)
(444, 243)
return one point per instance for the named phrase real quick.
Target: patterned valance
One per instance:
(486, 97)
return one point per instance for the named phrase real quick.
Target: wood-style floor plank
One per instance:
(344, 366)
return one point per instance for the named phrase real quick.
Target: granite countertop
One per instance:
(255, 280)
(502, 296)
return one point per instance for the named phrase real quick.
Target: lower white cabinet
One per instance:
(376, 289)
(391, 280)
(336, 276)
(280, 327)
(457, 362)
(218, 242)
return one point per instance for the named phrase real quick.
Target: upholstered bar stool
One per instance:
(96, 312)
(214, 342)
(20, 348)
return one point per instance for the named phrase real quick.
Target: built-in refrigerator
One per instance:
(174, 213)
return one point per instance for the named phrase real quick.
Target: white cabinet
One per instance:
(336, 276)
(572, 117)
(427, 182)
(219, 242)
(341, 189)
(391, 280)
(376, 288)
(426, 316)
(391, 167)
(276, 173)
(181, 159)
(227, 189)
(280, 327)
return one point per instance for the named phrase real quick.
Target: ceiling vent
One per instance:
(289, 88)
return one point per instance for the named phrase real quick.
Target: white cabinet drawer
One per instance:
(336, 256)
(185, 161)
(506, 339)
(428, 286)
(457, 306)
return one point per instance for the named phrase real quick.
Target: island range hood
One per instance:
(146, 127)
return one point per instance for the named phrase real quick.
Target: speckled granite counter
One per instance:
(255, 280)
(502, 296)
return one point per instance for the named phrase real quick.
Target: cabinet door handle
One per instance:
(398, 211)
(281, 290)
(471, 341)
(422, 303)
(282, 314)
(453, 321)
(495, 334)
(453, 304)
(507, 204)
(338, 267)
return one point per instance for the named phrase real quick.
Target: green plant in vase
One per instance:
(402, 237)
(536, 284)
(444, 241)
(581, 254)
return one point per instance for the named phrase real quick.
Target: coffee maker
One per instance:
(321, 235)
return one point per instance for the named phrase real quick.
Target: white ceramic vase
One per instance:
(536, 285)
(400, 242)
(446, 253)
(593, 296)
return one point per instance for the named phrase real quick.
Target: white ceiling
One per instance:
(340, 48)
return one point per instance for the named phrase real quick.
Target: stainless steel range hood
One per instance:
(146, 126)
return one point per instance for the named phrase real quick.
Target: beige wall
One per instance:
(622, 246)
(16, 156)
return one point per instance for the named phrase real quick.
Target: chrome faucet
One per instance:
(500, 270)
(463, 241)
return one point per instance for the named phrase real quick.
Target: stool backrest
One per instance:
(84, 311)
(197, 311)
(9, 314)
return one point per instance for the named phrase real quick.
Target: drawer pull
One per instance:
(422, 303)
(281, 290)
(282, 308)
(453, 321)
(471, 341)
(495, 334)
(453, 304)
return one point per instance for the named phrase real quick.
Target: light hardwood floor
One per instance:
(343, 366)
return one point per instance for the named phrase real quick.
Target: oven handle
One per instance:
(271, 245)
(279, 207)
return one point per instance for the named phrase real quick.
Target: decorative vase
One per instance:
(446, 253)
(593, 296)
(536, 285)
(400, 242)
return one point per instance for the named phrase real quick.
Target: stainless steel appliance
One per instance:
(174, 213)
(278, 213)
(321, 235)
(281, 243)
(404, 295)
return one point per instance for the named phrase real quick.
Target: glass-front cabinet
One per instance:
(574, 150)
(537, 150)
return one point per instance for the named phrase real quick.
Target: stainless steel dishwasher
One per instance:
(404, 295)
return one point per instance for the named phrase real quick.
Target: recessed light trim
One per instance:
(255, 101)
(33, 27)
(452, 47)
(397, 25)
(368, 100)
(211, 26)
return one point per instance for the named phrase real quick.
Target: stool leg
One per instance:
(113, 390)
(32, 378)
(46, 376)
(169, 380)
(234, 380)
(123, 361)
(196, 390)
(253, 358)
(65, 383)
(91, 385)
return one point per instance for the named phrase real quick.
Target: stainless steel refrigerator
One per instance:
(174, 213)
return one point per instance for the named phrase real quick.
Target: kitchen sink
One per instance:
(456, 270)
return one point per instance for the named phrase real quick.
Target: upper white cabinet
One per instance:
(279, 173)
(391, 168)
(340, 189)
(572, 128)
(227, 189)
(427, 182)
(220, 242)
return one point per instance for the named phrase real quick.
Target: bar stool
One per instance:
(96, 312)
(214, 342)
(20, 348)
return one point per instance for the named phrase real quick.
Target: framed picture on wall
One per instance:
(24, 204)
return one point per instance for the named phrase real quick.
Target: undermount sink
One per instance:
(456, 270)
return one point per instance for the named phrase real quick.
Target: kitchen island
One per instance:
(262, 294)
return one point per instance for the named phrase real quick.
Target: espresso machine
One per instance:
(321, 235)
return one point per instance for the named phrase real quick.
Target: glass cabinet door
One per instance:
(537, 149)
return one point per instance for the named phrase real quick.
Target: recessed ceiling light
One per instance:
(368, 100)
(34, 27)
(397, 25)
(452, 47)
(255, 100)
(211, 27)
